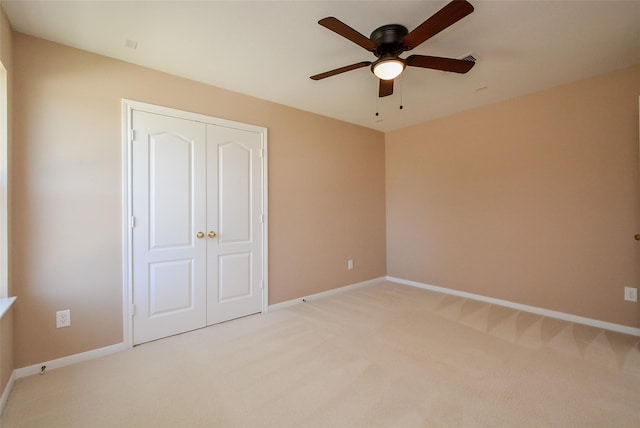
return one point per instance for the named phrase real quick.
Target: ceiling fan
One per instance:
(389, 41)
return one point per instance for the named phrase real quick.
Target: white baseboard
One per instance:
(71, 359)
(56, 364)
(288, 303)
(7, 392)
(525, 308)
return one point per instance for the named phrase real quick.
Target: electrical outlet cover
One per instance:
(630, 294)
(63, 318)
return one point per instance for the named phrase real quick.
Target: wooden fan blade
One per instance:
(339, 27)
(448, 15)
(438, 63)
(386, 88)
(341, 70)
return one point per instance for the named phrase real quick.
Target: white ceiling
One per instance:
(268, 49)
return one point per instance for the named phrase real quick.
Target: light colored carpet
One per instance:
(385, 355)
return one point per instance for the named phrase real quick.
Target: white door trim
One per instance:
(128, 106)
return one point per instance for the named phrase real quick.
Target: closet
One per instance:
(198, 235)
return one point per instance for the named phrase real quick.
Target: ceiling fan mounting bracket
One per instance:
(389, 39)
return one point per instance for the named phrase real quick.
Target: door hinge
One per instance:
(132, 135)
(261, 153)
(262, 284)
(132, 222)
(133, 309)
(261, 218)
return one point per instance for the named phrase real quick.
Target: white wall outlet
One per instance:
(63, 318)
(630, 294)
(350, 264)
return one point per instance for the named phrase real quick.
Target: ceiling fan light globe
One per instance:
(388, 69)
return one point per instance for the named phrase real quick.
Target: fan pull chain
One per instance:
(401, 93)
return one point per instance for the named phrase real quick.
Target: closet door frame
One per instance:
(128, 106)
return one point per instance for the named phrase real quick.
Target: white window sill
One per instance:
(5, 304)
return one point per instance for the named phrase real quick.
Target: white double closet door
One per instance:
(197, 235)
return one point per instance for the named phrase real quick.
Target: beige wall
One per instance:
(6, 323)
(326, 193)
(535, 200)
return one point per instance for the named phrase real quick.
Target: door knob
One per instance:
(212, 234)
(200, 235)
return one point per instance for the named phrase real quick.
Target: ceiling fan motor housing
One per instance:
(389, 39)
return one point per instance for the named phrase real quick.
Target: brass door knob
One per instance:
(212, 234)
(200, 235)
(637, 237)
